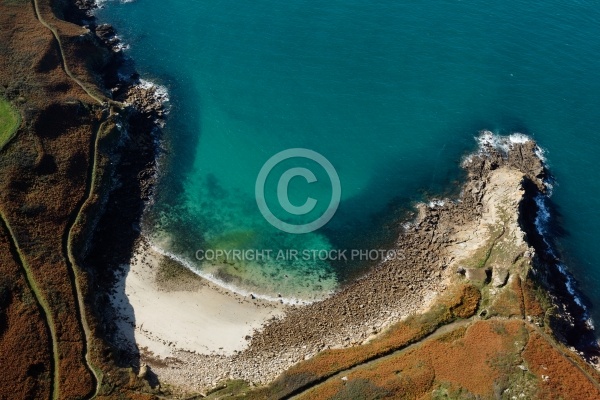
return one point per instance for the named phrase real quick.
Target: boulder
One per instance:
(499, 276)
(477, 276)
(143, 371)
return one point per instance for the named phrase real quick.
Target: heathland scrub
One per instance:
(9, 122)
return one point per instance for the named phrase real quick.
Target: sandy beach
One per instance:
(194, 334)
(184, 312)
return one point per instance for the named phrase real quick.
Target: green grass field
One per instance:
(9, 122)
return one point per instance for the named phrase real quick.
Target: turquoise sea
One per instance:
(392, 93)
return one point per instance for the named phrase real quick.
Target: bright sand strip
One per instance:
(186, 312)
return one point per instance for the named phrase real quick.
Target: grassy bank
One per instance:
(9, 122)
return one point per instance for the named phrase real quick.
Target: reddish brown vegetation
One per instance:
(41, 185)
(466, 362)
(25, 347)
(461, 302)
(477, 361)
(43, 177)
(483, 359)
(533, 306)
(459, 359)
(565, 380)
(44, 171)
(464, 301)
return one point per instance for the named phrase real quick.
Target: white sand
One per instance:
(194, 315)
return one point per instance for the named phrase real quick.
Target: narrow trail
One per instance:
(40, 299)
(442, 330)
(38, 14)
(68, 236)
(566, 355)
(98, 97)
(73, 276)
(72, 261)
(298, 393)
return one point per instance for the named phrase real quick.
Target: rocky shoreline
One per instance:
(143, 108)
(391, 291)
(431, 257)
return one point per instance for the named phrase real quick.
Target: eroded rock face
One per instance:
(145, 100)
(105, 31)
(522, 157)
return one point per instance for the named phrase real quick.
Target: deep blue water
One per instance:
(392, 93)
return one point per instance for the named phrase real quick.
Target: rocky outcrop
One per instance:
(478, 235)
(148, 101)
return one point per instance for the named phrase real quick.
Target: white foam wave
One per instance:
(540, 153)
(161, 93)
(119, 45)
(502, 143)
(436, 203)
(100, 4)
(234, 289)
(542, 219)
(488, 139)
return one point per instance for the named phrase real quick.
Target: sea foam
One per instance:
(232, 288)
(488, 139)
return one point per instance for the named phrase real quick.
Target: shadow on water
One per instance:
(554, 232)
(555, 226)
(121, 223)
(402, 184)
(180, 139)
(390, 196)
(550, 272)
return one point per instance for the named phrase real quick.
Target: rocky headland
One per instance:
(477, 304)
(486, 238)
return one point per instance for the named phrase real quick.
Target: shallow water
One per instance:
(391, 93)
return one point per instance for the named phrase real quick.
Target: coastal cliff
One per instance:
(478, 303)
(59, 169)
